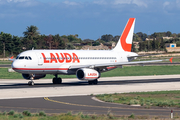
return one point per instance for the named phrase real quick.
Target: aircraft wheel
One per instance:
(54, 80)
(59, 80)
(91, 82)
(31, 83)
(95, 82)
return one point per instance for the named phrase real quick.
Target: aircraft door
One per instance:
(40, 59)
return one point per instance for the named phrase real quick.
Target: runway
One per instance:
(76, 104)
(74, 95)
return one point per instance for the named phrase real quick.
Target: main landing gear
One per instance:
(56, 80)
(31, 83)
(93, 82)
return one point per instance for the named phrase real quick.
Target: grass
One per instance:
(144, 58)
(126, 71)
(147, 99)
(78, 116)
(5, 62)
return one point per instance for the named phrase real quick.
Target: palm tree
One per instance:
(31, 32)
(30, 35)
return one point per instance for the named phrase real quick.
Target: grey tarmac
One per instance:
(74, 95)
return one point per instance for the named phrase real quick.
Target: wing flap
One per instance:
(113, 64)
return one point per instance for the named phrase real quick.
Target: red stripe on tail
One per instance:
(126, 46)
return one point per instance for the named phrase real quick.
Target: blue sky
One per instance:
(89, 18)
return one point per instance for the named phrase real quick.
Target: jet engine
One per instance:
(36, 76)
(87, 74)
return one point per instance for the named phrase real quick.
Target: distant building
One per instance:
(113, 44)
(149, 39)
(167, 38)
(100, 47)
(136, 44)
(170, 45)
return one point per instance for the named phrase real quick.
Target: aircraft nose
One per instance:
(15, 64)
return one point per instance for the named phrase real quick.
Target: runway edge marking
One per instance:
(66, 103)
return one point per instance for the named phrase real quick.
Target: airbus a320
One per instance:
(85, 64)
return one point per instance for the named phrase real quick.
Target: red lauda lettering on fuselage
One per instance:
(65, 57)
(92, 74)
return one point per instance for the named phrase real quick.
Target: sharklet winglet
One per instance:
(171, 59)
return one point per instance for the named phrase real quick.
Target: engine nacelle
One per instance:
(36, 76)
(87, 74)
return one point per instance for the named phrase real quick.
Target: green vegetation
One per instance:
(147, 99)
(175, 59)
(13, 45)
(5, 62)
(78, 116)
(125, 71)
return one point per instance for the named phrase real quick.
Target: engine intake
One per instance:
(87, 74)
(36, 76)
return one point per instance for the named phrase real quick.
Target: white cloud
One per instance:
(100, 2)
(16, 1)
(165, 4)
(117, 2)
(140, 3)
(70, 3)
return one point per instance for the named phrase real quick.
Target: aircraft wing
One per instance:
(11, 59)
(115, 64)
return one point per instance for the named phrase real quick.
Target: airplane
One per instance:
(85, 64)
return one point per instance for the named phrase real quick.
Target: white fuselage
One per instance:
(59, 61)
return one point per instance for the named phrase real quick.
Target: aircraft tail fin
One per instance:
(125, 41)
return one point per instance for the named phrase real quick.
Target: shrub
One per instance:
(16, 116)
(82, 116)
(148, 103)
(11, 112)
(136, 102)
(26, 113)
(21, 116)
(80, 113)
(110, 115)
(142, 104)
(4, 113)
(87, 116)
(42, 113)
(132, 116)
(122, 98)
(94, 117)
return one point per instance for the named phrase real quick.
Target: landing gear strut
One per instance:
(93, 82)
(31, 83)
(56, 80)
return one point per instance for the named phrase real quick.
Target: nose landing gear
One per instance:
(31, 83)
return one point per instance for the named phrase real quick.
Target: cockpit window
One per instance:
(26, 58)
(30, 58)
(21, 57)
(17, 57)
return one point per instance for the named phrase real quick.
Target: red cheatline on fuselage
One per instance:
(40, 68)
